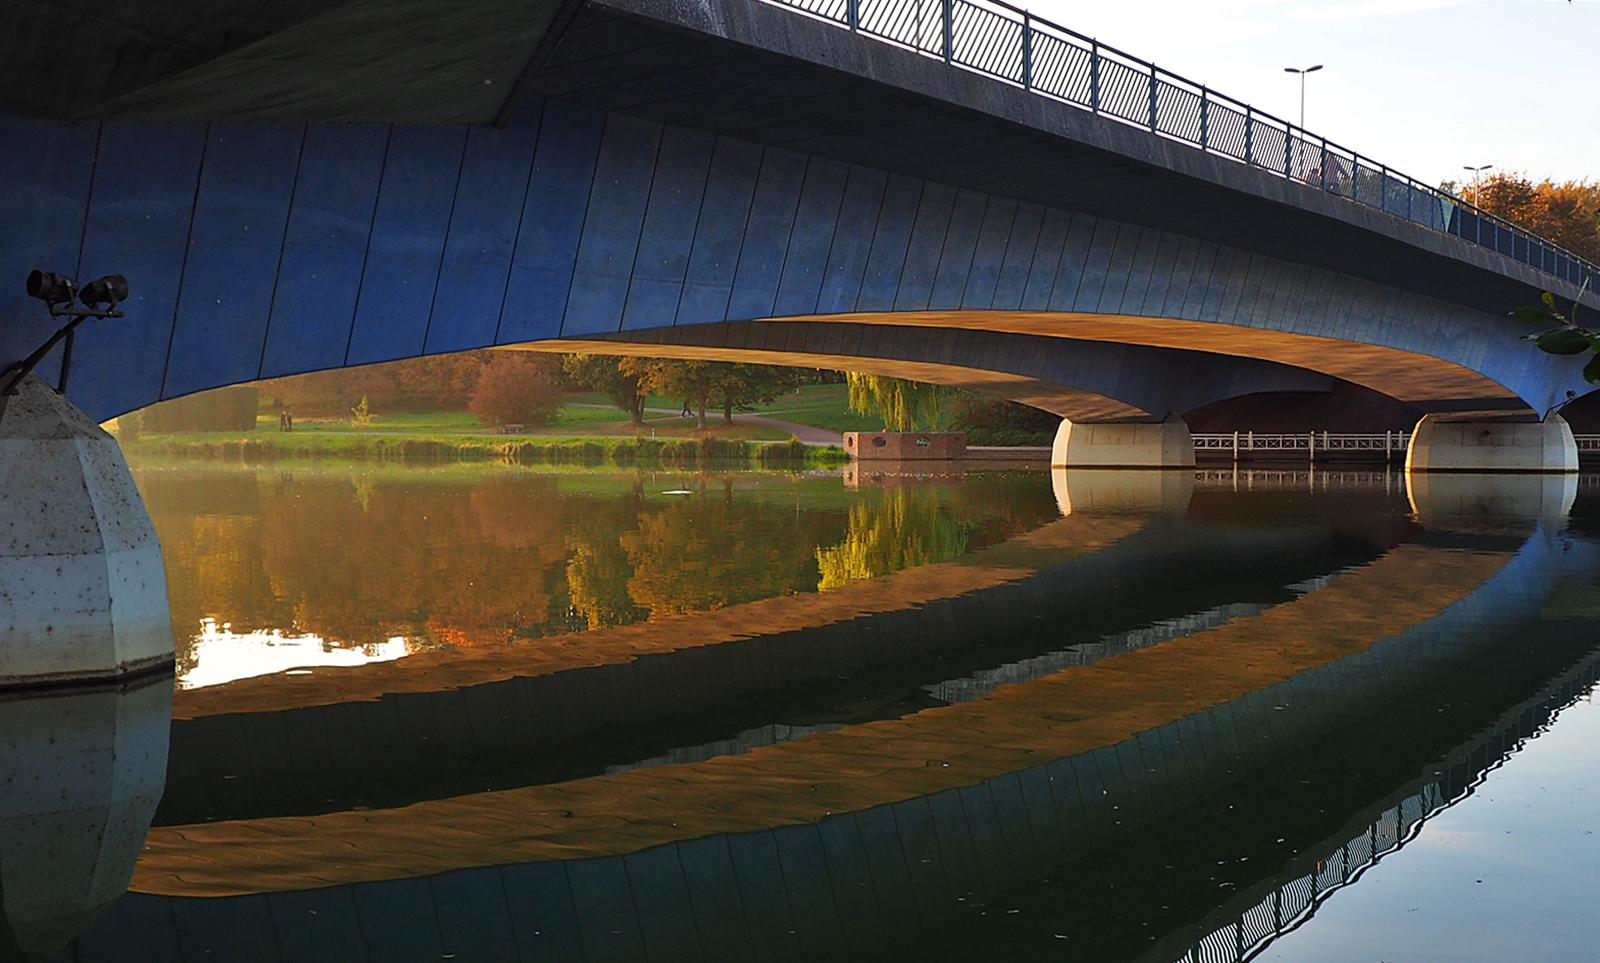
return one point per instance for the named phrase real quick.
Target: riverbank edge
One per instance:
(584, 451)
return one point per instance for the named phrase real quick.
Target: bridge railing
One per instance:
(994, 38)
(1310, 442)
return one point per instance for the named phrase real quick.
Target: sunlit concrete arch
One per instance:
(1078, 380)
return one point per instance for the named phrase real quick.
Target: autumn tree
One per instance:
(904, 404)
(692, 380)
(604, 373)
(516, 387)
(1567, 213)
(740, 387)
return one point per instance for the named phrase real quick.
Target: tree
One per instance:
(903, 404)
(740, 387)
(691, 380)
(603, 373)
(1563, 334)
(1566, 213)
(516, 388)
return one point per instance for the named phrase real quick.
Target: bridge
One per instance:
(947, 189)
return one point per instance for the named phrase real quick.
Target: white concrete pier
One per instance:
(1166, 444)
(1493, 446)
(83, 596)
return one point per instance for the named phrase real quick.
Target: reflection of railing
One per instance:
(994, 38)
(1310, 442)
(1286, 905)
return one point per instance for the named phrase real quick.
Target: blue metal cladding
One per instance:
(415, 201)
(552, 223)
(623, 173)
(714, 258)
(45, 174)
(138, 224)
(324, 248)
(921, 263)
(815, 225)
(234, 248)
(887, 258)
(483, 234)
(669, 229)
(955, 256)
(852, 240)
(766, 234)
(1013, 282)
(989, 255)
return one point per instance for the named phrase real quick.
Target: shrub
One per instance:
(516, 388)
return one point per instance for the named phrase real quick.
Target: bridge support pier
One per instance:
(1530, 447)
(83, 596)
(1166, 444)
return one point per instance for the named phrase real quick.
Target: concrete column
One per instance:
(83, 595)
(1123, 445)
(1529, 447)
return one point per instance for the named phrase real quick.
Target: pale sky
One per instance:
(1424, 86)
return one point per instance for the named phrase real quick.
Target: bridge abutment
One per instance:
(1527, 447)
(1166, 444)
(83, 596)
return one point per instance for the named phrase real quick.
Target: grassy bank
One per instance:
(589, 452)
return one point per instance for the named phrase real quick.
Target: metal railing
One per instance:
(1001, 41)
(1588, 443)
(1310, 442)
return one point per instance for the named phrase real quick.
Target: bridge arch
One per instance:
(261, 250)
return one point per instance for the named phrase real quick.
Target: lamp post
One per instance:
(1477, 177)
(1302, 71)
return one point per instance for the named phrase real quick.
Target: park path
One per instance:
(808, 434)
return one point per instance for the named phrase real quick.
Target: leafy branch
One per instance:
(1567, 336)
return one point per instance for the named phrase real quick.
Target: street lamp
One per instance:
(1302, 71)
(1477, 177)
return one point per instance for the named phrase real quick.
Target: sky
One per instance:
(1424, 86)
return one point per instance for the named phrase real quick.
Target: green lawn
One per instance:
(825, 406)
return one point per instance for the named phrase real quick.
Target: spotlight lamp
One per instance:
(100, 299)
(52, 288)
(106, 291)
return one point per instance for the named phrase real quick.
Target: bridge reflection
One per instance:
(1078, 724)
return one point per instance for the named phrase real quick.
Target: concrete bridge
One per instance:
(310, 189)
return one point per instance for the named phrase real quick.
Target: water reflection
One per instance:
(80, 774)
(1188, 711)
(221, 655)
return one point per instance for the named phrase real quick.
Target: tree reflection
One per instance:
(474, 557)
(905, 529)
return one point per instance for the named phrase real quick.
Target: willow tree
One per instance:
(905, 405)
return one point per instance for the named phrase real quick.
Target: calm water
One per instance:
(482, 714)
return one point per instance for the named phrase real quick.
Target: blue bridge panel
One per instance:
(324, 248)
(234, 248)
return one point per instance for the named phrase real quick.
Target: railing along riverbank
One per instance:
(1010, 44)
(1389, 444)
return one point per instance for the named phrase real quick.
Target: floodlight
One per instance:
(106, 291)
(52, 288)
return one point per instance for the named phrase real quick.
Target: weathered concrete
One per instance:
(83, 594)
(1123, 445)
(1546, 446)
(81, 773)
